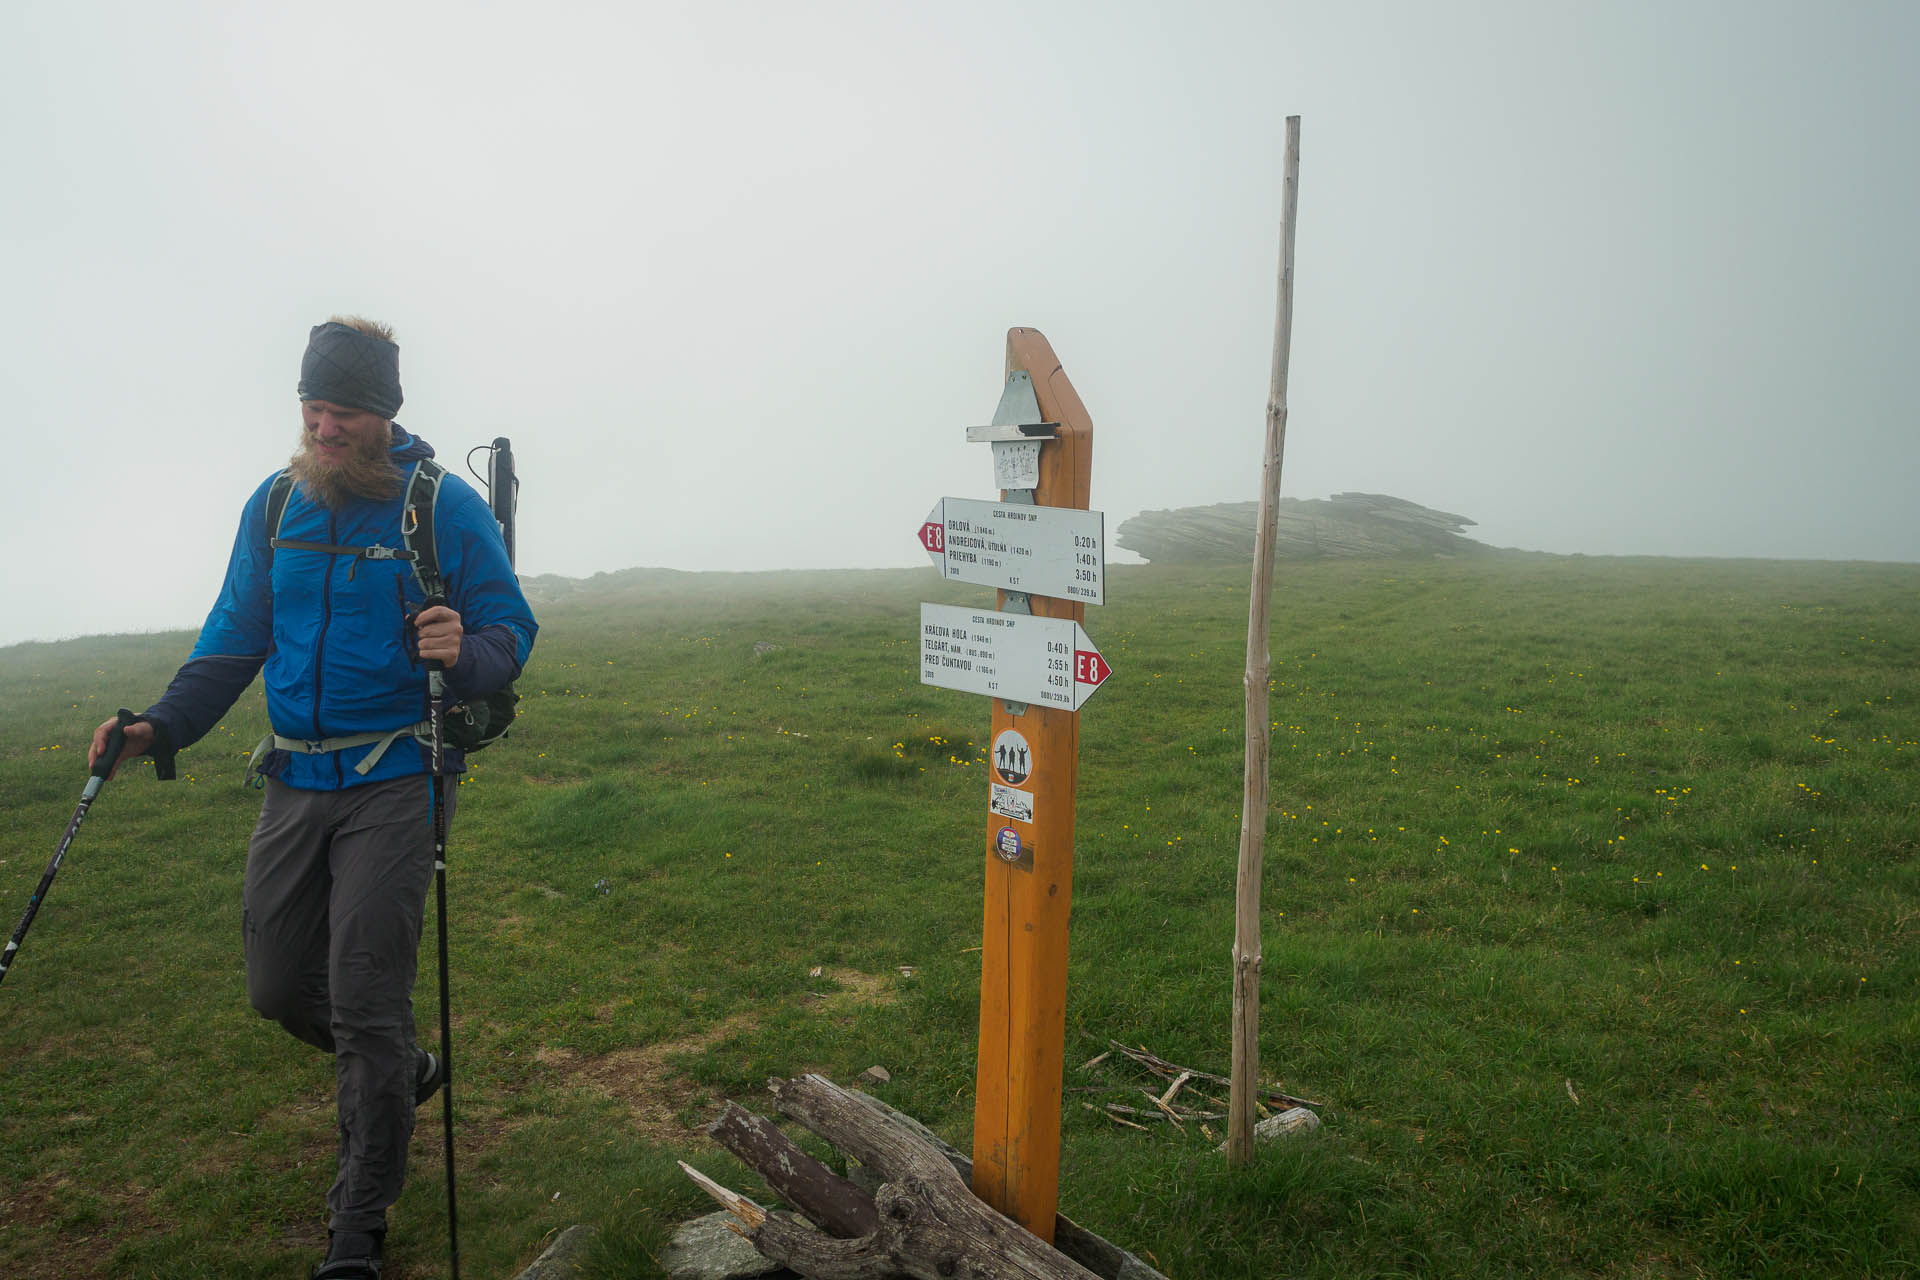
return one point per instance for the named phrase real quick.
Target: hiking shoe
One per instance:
(429, 1078)
(352, 1255)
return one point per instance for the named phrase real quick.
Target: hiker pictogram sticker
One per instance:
(1012, 760)
(1011, 802)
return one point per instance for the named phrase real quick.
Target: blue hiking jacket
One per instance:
(330, 630)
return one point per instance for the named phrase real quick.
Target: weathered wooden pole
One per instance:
(1029, 880)
(1253, 804)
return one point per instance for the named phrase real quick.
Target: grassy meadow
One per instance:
(1590, 914)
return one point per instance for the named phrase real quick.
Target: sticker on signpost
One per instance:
(1011, 802)
(1012, 760)
(1016, 464)
(1007, 845)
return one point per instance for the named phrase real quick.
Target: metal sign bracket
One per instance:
(1016, 435)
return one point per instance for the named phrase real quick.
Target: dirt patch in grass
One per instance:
(660, 1101)
(642, 1079)
(857, 990)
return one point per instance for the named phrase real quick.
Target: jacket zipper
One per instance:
(320, 644)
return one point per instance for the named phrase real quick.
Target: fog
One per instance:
(1631, 278)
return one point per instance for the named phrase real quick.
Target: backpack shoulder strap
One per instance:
(417, 527)
(277, 505)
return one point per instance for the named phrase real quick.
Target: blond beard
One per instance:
(366, 473)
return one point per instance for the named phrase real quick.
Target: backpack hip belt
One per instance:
(314, 747)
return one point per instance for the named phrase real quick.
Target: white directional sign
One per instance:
(1047, 661)
(1047, 551)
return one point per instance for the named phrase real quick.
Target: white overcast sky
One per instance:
(1613, 278)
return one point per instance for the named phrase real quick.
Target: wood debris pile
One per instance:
(1182, 1096)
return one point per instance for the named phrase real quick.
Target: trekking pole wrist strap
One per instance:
(162, 749)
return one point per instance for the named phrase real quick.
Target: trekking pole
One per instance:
(437, 714)
(116, 741)
(503, 493)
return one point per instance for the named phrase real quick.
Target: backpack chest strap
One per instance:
(374, 552)
(417, 527)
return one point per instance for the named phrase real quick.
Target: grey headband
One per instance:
(351, 369)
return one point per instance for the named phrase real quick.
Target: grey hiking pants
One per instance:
(335, 892)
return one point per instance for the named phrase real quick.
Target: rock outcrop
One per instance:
(1347, 524)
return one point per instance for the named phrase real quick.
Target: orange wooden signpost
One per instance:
(1029, 879)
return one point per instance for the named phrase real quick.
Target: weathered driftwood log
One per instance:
(1097, 1254)
(930, 1224)
(799, 1179)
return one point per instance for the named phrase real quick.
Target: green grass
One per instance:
(1589, 911)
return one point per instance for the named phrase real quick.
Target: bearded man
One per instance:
(339, 864)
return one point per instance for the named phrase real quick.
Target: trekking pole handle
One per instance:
(116, 743)
(434, 601)
(436, 700)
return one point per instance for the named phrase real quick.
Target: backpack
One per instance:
(471, 725)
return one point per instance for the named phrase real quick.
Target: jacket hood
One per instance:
(408, 447)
